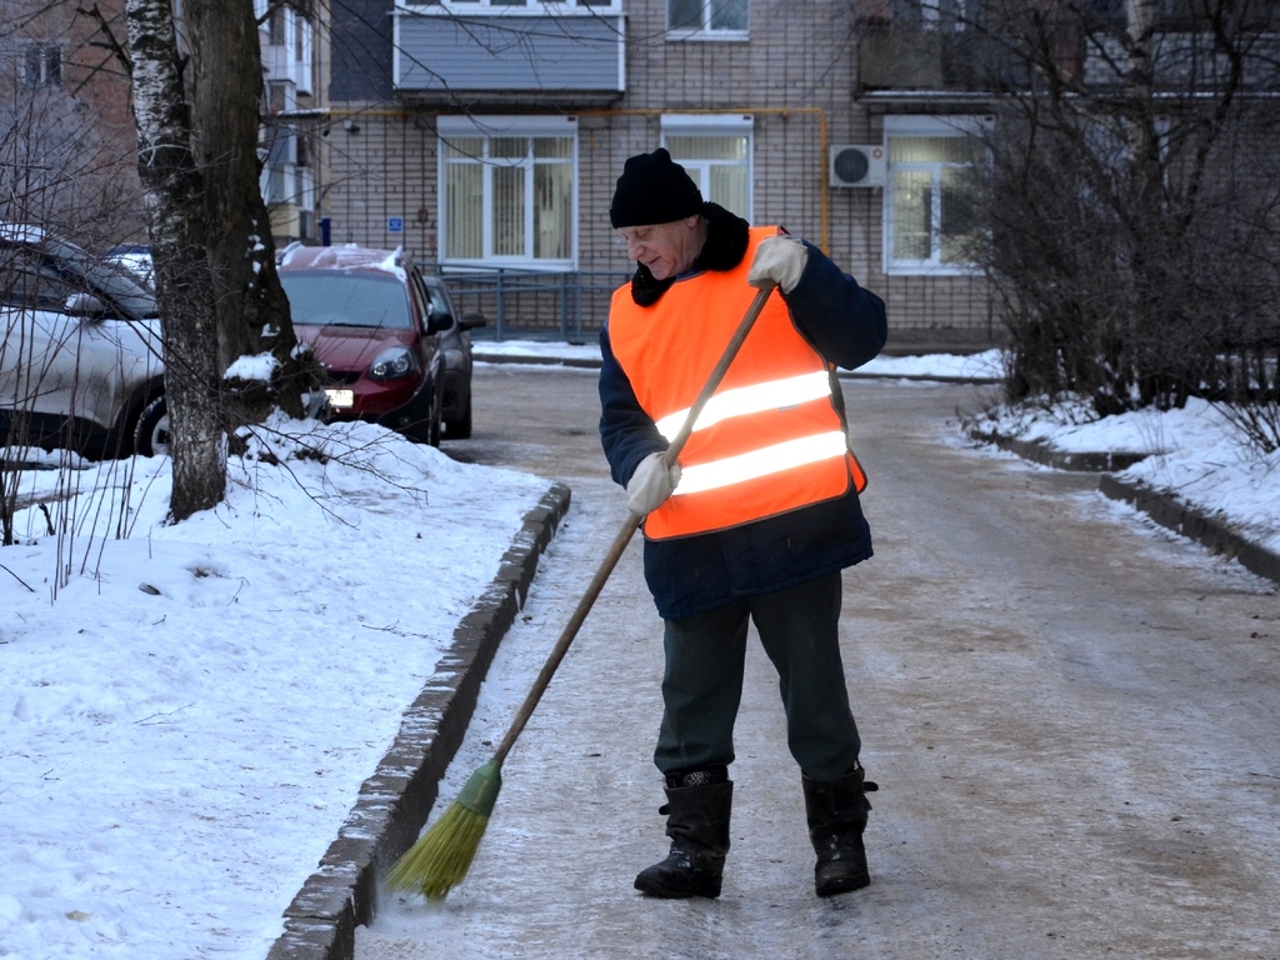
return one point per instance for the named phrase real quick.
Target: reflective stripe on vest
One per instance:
(770, 440)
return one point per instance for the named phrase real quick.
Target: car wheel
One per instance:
(427, 430)
(151, 436)
(459, 429)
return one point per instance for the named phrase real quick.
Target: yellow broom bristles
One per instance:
(440, 859)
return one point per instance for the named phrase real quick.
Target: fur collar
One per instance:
(727, 238)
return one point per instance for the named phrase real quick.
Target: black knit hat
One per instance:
(653, 188)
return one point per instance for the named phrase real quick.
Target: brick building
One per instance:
(67, 140)
(487, 134)
(68, 145)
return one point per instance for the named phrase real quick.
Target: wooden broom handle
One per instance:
(624, 535)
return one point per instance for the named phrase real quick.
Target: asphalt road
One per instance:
(1072, 715)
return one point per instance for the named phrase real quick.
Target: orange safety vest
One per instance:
(770, 440)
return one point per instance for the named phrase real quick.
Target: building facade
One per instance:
(68, 155)
(294, 40)
(65, 109)
(486, 135)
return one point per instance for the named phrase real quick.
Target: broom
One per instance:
(441, 857)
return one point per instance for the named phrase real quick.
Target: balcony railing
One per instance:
(906, 59)
(508, 60)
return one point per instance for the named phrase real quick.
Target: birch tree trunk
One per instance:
(178, 227)
(253, 312)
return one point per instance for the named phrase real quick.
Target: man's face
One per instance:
(667, 249)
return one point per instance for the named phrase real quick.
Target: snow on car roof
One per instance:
(21, 232)
(345, 257)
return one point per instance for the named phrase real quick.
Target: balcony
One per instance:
(509, 60)
(281, 64)
(939, 61)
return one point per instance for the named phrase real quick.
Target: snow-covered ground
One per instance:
(190, 710)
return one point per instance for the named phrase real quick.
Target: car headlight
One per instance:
(393, 364)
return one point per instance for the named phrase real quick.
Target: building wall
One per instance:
(382, 165)
(83, 125)
(796, 76)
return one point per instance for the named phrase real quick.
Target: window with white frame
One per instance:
(707, 19)
(933, 222)
(42, 65)
(508, 190)
(715, 150)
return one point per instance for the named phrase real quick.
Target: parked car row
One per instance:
(81, 356)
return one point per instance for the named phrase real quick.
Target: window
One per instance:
(707, 19)
(276, 27)
(282, 96)
(42, 65)
(929, 14)
(528, 7)
(28, 280)
(933, 204)
(508, 190)
(716, 152)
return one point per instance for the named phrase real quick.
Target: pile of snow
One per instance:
(1194, 455)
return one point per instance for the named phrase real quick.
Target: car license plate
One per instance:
(341, 399)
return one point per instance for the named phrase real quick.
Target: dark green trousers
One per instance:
(702, 688)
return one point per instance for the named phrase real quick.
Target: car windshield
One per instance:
(338, 298)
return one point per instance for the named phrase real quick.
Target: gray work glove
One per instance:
(651, 484)
(778, 260)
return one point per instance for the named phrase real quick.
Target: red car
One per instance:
(371, 322)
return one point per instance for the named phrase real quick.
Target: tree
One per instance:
(178, 227)
(1133, 185)
(198, 120)
(253, 311)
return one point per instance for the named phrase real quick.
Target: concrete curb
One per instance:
(1059, 459)
(479, 356)
(1214, 534)
(393, 804)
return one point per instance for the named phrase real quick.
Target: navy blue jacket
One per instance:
(691, 575)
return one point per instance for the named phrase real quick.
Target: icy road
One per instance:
(1074, 719)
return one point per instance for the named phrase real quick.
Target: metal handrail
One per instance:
(564, 305)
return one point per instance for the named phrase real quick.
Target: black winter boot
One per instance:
(837, 816)
(697, 810)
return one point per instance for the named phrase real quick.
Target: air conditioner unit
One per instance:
(858, 165)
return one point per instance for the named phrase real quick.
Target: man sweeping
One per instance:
(760, 513)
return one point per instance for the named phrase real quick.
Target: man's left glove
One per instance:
(778, 260)
(651, 484)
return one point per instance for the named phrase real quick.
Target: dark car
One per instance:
(455, 342)
(393, 351)
(80, 350)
